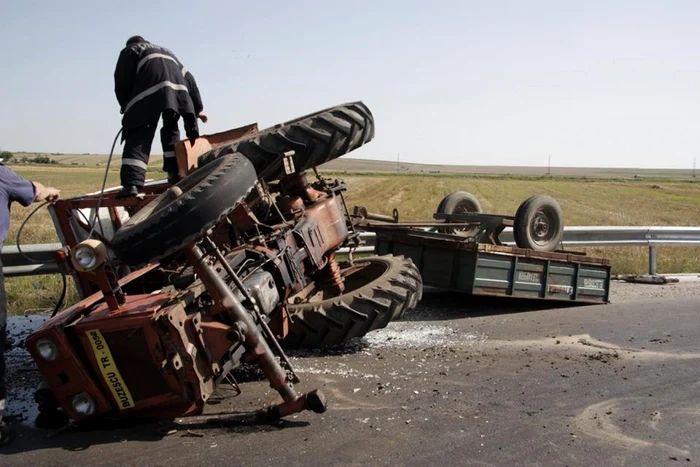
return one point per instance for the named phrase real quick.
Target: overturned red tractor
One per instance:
(226, 267)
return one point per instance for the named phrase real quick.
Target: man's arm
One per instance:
(193, 90)
(23, 191)
(124, 75)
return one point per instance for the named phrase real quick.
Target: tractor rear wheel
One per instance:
(377, 290)
(315, 138)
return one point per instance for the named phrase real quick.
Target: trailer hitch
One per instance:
(361, 211)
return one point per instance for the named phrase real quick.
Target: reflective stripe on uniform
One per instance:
(152, 90)
(169, 154)
(135, 163)
(184, 71)
(143, 61)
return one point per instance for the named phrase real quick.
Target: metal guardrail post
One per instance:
(652, 260)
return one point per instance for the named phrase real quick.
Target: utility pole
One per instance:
(398, 162)
(694, 166)
(549, 165)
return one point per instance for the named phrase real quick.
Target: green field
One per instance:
(585, 201)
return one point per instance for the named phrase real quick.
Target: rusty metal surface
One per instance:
(322, 229)
(187, 154)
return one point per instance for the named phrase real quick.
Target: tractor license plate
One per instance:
(108, 368)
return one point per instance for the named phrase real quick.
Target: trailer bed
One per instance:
(457, 263)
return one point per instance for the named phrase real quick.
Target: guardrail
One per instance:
(37, 259)
(42, 256)
(594, 236)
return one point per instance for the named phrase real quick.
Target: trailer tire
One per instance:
(316, 139)
(456, 203)
(383, 291)
(539, 223)
(185, 211)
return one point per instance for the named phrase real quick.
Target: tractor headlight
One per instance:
(88, 255)
(84, 404)
(47, 349)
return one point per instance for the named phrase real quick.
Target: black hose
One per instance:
(21, 227)
(104, 183)
(62, 299)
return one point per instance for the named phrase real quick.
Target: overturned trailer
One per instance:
(460, 250)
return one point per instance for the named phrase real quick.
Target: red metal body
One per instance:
(139, 345)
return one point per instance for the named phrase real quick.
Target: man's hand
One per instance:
(203, 117)
(52, 194)
(43, 193)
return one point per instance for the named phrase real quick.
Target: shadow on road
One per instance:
(81, 437)
(438, 305)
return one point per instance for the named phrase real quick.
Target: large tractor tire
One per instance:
(316, 139)
(459, 202)
(382, 290)
(185, 211)
(538, 224)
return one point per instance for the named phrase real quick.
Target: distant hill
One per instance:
(348, 164)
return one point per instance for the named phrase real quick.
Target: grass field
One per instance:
(585, 201)
(364, 166)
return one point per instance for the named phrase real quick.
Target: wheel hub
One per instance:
(540, 226)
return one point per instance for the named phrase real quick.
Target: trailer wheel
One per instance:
(459, 202)
(539, 223)
(316, 139)
(377, 290)
(185, 211)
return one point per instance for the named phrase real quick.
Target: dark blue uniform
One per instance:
(150, 81)
(12, 188)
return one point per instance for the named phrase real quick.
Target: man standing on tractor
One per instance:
(150, 81)
(13, 188)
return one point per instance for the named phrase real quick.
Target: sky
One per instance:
(592, 84)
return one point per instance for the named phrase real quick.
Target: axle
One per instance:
(245, 329)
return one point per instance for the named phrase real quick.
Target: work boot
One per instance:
(173, 178)
(128, 191)
(6, 434)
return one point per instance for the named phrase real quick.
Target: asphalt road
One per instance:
(460, 382)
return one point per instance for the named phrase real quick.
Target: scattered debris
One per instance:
(641, 279)
(166, 431)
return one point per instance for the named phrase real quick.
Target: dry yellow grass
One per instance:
(583, 201)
